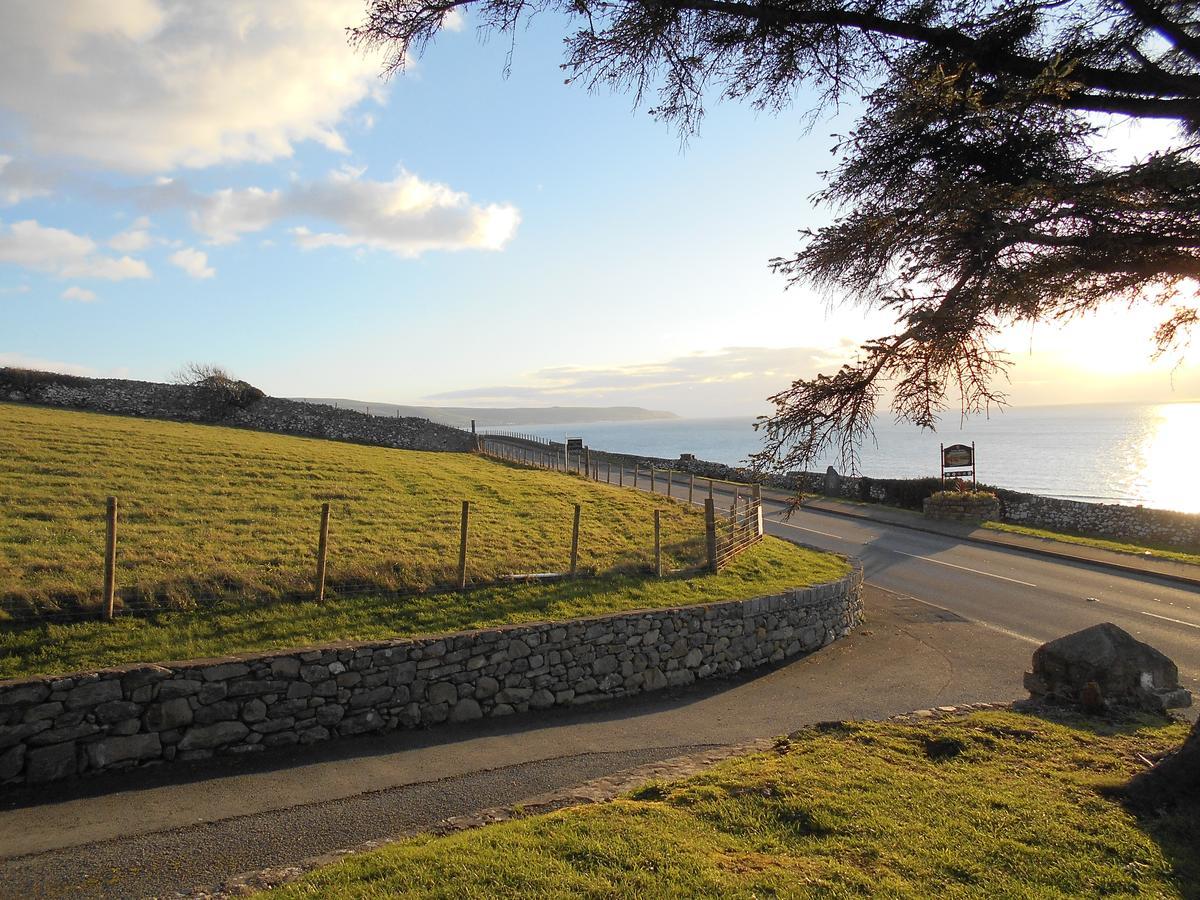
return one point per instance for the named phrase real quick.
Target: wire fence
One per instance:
(729, 530)
(142, 563)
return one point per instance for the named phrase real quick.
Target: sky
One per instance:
(233, 184)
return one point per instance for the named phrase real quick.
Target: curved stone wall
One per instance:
(59, 727)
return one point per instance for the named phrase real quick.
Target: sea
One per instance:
(1147, 454)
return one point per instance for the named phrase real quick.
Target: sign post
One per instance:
(958, 461)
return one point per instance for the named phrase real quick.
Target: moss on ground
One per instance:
(993, 805)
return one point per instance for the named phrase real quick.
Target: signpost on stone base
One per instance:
(958, 461)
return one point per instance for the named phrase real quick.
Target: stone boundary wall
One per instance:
(964, 508)
(1109, 520)
(53, 728)
(182, 403)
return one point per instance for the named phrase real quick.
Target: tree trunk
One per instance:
(1175, 779)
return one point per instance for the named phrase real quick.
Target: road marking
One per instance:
(1005, 631)
(953, 566)
(1169, 619)
(836, 537)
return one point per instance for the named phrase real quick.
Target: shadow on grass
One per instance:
(1174, 828)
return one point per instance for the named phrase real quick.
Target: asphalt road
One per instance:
(948, 623)
(1017, 593)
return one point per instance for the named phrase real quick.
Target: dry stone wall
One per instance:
(1131, 523)
(60, 727)
(190, 404)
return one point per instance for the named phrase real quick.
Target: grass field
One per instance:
(209, 512)
(51, 648)
(1157, 551)
(215, 522)
(994, 805)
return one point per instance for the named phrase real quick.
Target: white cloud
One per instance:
(194, 262)
(83, 295)
(134, 238)
(150, 85)
(64, 253)
(37, 363)
(19, 181)
(406, 216)
(732, 381)
(17, 289)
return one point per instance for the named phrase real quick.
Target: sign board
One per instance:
(574, 445)
(958, 461)
(958, 456)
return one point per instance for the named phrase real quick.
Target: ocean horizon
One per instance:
(1126, 453)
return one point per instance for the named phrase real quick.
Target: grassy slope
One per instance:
(209, 511)
(859, 810)
(227, 628)
(1157, 551)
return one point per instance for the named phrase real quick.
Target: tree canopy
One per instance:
(972, 194)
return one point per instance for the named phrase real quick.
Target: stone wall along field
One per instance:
(184, 403)
(58, 727)
(962, 507)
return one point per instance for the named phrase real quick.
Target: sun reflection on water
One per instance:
(1169, 454)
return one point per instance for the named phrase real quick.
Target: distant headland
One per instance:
(501, 417)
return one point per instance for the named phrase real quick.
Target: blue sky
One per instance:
(232, 184)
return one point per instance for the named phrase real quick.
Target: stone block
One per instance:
(93, 694)
(209, 737)
(169, 714)
(225, 672)
(111, 750)
(50, 763)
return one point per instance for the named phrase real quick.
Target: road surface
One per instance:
(948, 623)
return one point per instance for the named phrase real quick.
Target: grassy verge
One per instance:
(770, 566)
(996, 805)
(220, 513)
(1156, 551)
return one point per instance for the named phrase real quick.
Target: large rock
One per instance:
(1108, 660)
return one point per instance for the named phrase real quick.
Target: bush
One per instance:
(218, 384)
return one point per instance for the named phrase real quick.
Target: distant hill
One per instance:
(461, 416)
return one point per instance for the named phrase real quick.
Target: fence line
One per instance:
(727, 536)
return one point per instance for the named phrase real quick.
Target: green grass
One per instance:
(770, 566)
(216, 522)
(1156, 551)
(1016, 808)
(209, 512)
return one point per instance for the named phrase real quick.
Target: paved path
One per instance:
(178, 830)
(948, 622)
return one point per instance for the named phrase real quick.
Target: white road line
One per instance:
(902, 553)
(1005, 631)
(836, 537)
(953, 566)
(1169, 619)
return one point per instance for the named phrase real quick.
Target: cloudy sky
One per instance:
(230, 183)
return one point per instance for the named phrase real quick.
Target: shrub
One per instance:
(218, 384)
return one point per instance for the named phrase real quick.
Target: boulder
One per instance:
(1105, 665)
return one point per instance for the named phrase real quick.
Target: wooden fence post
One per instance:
(737, 496)
(621, 474)
(710, 491)
(462, 545)
(670, 480)
(607, 472)
(691, 486)
(635, 476)
(575, 541)
(587, 451)
(657, 545)
(322, 552)
(652, 479)
(110, 558)
(710, 534)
